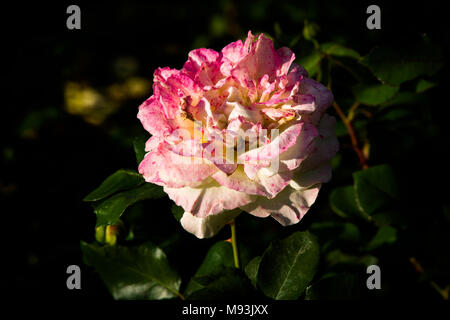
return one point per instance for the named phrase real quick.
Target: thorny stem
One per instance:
(351, 132)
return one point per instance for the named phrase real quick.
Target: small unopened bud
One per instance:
(109, 234)
(310, 30)
(100, 233)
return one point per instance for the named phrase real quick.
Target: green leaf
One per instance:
(141, 272)
(395, 66)
(335, 49)
(373, 95)
(375, 188)
(224, 284)
(122, 179)
(384, 235)
(331, 234)
(424, 85)
(220, 255)
(177, 212)
(139, 148)
(251, 269)
(396, 114)
(401, 98)
(388, 217)
(336, 230)
(337, 287)
(343, 203)
(311, 62)
(287, 266)
(337, 258)
(109, 211)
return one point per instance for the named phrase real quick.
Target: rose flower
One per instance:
(243, 129)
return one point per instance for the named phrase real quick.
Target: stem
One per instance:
(351, 132)
(443, 292)
(340, 64)
(234, 244)
(351, 113)
(179, 295)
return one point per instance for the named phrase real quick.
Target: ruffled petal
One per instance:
(166, 168)
(209, 199)
(183, 86)
(261, 59)
(234, 52)
(305, 179)
(302, 104)
(325, 146)
(287, 208)
(323, 96)
(286, 58)
(209, 226)
(277, 114)
(197, 59)
(273, 183)
(203, 66)
(277, 146)
(295, 155)
(240, 182)
(251, 114)
(152, 118)
(162, 74)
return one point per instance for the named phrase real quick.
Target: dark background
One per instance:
(51, 157)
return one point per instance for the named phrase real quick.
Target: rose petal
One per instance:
(166, 168)
(306, 179)
(151, 116)
(294, 156)
(240, 182)
(286, 58)
(280, 144)
(287, 208)
(209, 199)
(325, 146)
(322, 95)
(209, 226)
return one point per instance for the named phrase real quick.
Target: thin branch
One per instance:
(351, 132)
(340, 64)
(351, 112)
(419, 269)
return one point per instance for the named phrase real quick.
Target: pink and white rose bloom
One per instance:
(243, 129)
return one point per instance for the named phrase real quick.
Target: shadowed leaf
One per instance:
(109, 211)
(122, 179)
(288, 265)
(141, 272)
